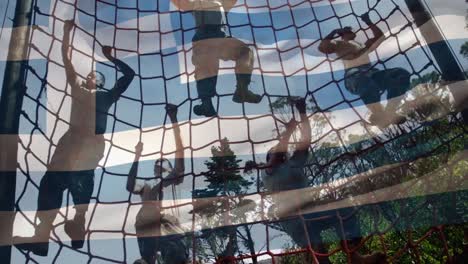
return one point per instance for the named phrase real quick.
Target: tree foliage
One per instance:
(224, 180)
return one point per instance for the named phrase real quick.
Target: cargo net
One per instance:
(402, 186)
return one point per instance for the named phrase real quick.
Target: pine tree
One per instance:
(224, 180)
(223, 175)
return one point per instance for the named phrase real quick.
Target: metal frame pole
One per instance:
(11, 101)
(451, 70)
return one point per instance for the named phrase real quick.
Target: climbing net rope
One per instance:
(414, 158)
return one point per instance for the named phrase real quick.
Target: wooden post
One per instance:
(11, 101)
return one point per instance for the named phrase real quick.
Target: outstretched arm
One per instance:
(282, 147)
(176, 177)
(179, 166)
(306, 131)
(128, 74)
(72, 77)
(131, 178)
(378, 38)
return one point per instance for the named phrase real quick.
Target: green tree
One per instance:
(424, 151)
(225, 181)
(419, 151)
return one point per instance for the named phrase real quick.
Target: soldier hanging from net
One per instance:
(210, 44)
(283, 173)
(78, 151)
(364, 80)
(157, 231)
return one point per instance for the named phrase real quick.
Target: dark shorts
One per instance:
(370, 83)
(54, 183)
(203, 34)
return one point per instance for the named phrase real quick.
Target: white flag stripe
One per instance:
(150, 42)
(204, 132)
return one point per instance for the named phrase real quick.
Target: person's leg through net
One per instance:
(205, 58)
(54, 182)
(236, 50)
(307, 229)
(51, 189)
(147, 247)
(87, 153)
(81, 187)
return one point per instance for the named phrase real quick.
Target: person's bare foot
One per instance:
(75, 229)
(378, 119)
(31, 244)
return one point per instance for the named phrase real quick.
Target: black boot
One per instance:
(205, 108)
(242, 93)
